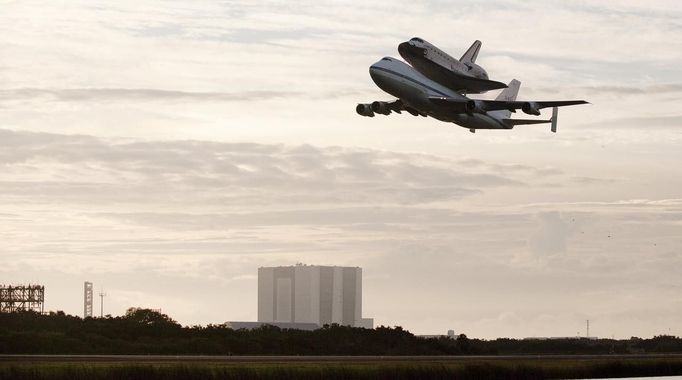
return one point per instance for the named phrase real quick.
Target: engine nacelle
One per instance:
(381, 107)
(412, 111)
(531, 108)
(474, 106)
(364, 110)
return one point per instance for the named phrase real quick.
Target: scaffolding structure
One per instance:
(22, 298)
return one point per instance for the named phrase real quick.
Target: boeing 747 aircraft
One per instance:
(463, 75)
(420, 95)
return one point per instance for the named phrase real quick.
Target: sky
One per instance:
(165, 150)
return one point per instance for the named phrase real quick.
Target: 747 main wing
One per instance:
(482, 106)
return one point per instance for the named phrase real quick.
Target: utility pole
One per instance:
(587, 335)
(101, 303)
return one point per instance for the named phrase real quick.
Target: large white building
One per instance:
(311, 294)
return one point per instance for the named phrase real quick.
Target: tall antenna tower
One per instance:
(87, 300)
(101, 303)
(587, 334)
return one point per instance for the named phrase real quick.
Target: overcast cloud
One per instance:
(165, 150)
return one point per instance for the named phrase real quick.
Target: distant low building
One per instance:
(366, 323)
(450, 335)
(560, 338)
(235, 325)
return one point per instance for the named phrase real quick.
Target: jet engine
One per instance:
(531, 108)
(381, 107)
(364, 110)
(474, 106)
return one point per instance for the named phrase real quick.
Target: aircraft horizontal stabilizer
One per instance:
(555, 112)
(513, 122)
(492, 105)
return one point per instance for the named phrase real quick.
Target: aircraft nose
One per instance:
(373, 70)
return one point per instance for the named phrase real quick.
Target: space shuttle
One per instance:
(463, 76)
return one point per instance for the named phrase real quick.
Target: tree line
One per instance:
(144, 331)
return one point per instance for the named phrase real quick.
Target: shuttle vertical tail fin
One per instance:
(508, 95)
(471, 54)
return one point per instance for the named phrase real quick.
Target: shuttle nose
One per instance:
(409, 48)
(403, 48)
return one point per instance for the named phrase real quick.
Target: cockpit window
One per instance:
(386, 59)
(418, 39)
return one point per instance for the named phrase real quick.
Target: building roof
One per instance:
(310, 266)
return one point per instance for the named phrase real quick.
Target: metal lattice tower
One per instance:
(87, 300)
(22, 298)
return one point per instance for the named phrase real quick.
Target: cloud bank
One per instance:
(158, 222)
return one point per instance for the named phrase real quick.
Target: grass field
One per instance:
(474, 369)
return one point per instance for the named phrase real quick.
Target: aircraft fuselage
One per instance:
(422, 55)
(437, 65)
(414, 89)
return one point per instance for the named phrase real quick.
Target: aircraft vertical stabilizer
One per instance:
(508, 95)
(472, 53)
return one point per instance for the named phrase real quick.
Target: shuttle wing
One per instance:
(471, 84)
(463, 83)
